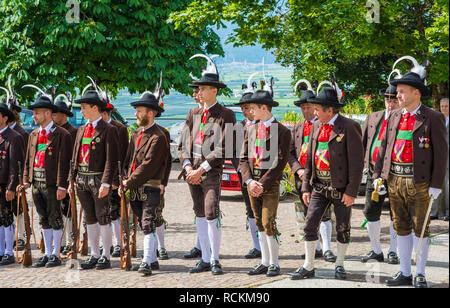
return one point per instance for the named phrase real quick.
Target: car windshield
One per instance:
(77, 119)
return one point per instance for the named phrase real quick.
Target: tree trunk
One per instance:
(439, 91)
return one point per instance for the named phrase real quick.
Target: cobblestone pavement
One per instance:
(180, 237)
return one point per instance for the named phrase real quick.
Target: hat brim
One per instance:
(260, 101)
(50, 106)
(91, 101)
(219, 85)
(326, 103)
(303, 101)
(66, 112)
(384, 93)
(418, 85)
(148, 104)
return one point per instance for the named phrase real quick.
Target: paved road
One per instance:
(236, 241)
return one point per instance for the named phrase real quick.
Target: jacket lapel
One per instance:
(420, 118)
(337, 128)
(51, 136)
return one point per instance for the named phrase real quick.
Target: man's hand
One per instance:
(195, 176)
(306, 198)
(10, 194)
(163, 189)
(61, 194)
(300, 173)
(255, 189)
(348, 200)
(103, 192)
(25, 186)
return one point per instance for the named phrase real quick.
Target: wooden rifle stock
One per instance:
(125, 255)
(73, 211)
(26, 258)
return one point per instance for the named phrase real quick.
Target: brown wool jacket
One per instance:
(429, 163)
(57, 157)
(72, 131)
(296, 147)
(369, 130)
(11, 153)
(346, 156)
(150, 157)
(217, 115)
(271, 175)
(165, 179)
(104, 157)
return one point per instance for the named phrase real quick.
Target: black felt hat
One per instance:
(328, 96)
(210, 76)
(149, 100)
(64, 106)
(249, 89)
(415, 77)
(389, 92)
(5, 110)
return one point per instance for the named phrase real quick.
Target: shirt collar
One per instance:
(47, 128)
(210, 106)
(331, 122)
(148, 127)
(6, 127)
(95, 123)
(110, 119)
(248, 121)
(414, 112)
(313, 120)
(268, 122)
(13, 125)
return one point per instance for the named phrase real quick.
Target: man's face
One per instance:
(391, 102)
(444, 108)
(407, 95)
(323, 116)
(88, 111)
(105, 116)
(41, 115)
(246, 111)
(3, 121)
(195, 95)
(207, 94)
(144, 115)
(307, 111)
(59, 118)
(258, 111)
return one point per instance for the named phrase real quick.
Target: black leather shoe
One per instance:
(200, 267)
(329, 256)
(53, 261)
(420, 282)
(41, 263)
(339, 273)
(162, 254)
(7, 259)
(373, 256)
(144, 269)
(154, 266)
(445, 218)
(399, 280)
(318, 254)
(303, 273)
(258, 270)
(102, 263)
(89, 263)
(216, 268)
(273, 270)
(253, 254)
(392, 258)
(194, 253)
(116, 251)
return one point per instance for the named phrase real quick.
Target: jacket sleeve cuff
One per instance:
(205, 165)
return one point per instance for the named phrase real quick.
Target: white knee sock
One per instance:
(202, 233)
(197, 244)
(154, 256)
(149, 248)
(423, 255)
(116, 230)
(415, 243)
(67, 236)
(253, 231)
(341, 251)
(21, 224)
(274, 249)
(326, 228)
(393, 236)
(106, 233)
(374, 229)
(2, 241)
(309, 255)
(160, 236)
(93, 232)
(215, 235)
(57, 236)
(9, 239)
(48, 241)
(405, 248)
(265, 254)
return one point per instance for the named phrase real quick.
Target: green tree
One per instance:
(320, 37)
(120, 43)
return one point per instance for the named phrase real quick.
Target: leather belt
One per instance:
(402, 170)
(153, 183)
(84, 170)
(324, 188)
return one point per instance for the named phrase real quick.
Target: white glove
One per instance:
(434, 192)
(381, 189)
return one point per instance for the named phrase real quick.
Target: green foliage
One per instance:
(291, 118)
(121, 44)
(322, 37)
